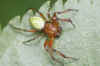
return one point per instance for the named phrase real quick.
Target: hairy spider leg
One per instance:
(39, 13)
(20, 29)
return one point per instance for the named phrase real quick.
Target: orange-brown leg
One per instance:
(61, 12)
(50, 51)
(61, 54)
(48, 46)
(40, 14)
(55, 18)
(51, 42)
(31, 39)
(65, 11)
(20, 29)
(66, 20)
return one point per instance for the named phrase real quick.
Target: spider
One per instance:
(50, 28)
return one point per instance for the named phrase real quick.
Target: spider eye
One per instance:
(37, 22)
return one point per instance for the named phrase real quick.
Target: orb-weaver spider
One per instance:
(50, 28)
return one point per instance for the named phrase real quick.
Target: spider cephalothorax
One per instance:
(50, 28)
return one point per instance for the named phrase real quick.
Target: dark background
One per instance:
(11, 8)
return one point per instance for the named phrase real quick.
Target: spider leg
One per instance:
(50, 51)
(65, 11)
(61, 54)
(51, 42)
(20, 29)
(67, 20)
(40, 14)
(54, 17)
(31, 39)
(48, 46)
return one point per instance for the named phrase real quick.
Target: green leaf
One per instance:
(11, 8)
(19, 7)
